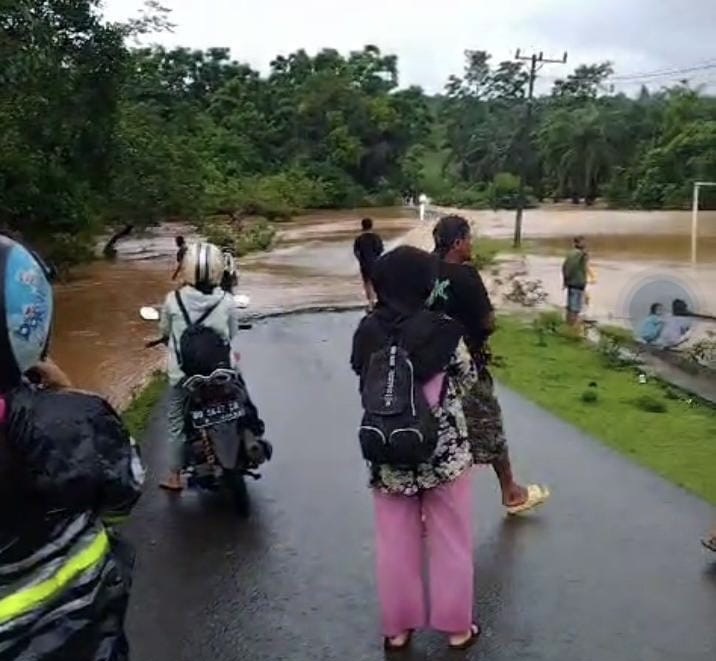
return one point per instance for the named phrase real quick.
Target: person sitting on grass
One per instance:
(677, 326)
(651, 327)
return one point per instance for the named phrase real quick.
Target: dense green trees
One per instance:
(584, 142)
(95, 133)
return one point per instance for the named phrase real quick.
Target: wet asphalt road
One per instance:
(610, 570)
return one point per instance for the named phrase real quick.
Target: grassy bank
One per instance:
(137, 414)
(653, 424)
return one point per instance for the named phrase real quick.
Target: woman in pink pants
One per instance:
(423, 515)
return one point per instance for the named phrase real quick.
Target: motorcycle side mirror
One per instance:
(149, 313)
(242, 301)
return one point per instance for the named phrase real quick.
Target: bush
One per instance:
(617, 334)
(484, 252)
(504, 192)
(524, 292)
(256, 237)
(618, 192)
(613, 341)
(386, 198)
(463, 197)
(547, 323)
(590, 396)
(703, 351)
(650, 404)
(67, 250)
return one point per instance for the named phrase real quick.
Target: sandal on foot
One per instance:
(475, 632)
(536, 496)
(390, 646)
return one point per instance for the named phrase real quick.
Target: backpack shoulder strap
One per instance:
(207, 313)
(182, 307)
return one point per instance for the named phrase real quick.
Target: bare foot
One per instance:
(514, 495)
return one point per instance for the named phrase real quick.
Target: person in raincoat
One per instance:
(69, 472)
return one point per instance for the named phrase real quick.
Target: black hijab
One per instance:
(404, 279)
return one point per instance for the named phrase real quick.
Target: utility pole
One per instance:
(533, 59)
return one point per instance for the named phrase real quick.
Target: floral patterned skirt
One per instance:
(484, 421)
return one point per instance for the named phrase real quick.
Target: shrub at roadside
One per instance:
(140, 409)
(240, 241)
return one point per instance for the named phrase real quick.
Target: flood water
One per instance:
(99, 336)
(626, 247)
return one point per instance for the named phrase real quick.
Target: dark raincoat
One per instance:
(68, 473)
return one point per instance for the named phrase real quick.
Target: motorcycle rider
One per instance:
(68, 472)
(203, 270)
(230, 277)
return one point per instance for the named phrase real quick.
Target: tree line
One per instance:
(97, 133)
(584, 142)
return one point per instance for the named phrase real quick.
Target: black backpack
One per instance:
(398, 427)
(201, 349)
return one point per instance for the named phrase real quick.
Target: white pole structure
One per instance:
(695, 217)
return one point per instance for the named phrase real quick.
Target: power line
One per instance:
(534, 59)
(665, 72)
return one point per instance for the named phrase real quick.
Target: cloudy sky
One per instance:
(429, 36)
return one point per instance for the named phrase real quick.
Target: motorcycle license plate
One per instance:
(215, 414)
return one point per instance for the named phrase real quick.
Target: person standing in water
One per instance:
(575, 274)
(367, 247)
(181, 252)
(461, 294)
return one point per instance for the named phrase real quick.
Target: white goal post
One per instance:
(698, 185)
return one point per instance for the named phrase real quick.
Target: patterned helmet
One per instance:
(26, 309)
(203, 265)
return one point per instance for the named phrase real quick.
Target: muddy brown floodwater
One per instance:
(99, 337)
(627, 247)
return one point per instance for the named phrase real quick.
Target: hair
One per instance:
(180, 241)
(578, 241)
(448, 231)
(679, 307)
(654, 307)
(367, 224)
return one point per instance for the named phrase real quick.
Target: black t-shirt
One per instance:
(461, 294)
(180, 254)
(367, 248)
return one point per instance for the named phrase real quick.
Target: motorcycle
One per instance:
(224, 435)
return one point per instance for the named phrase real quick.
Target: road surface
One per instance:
(610, 570)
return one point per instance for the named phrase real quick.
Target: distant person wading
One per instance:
(367, 248)
(575, 274)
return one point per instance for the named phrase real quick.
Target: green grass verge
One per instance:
(652, 424)
(137, 414)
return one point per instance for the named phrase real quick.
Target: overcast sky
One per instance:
(429, 36)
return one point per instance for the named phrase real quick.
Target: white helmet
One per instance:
(203, 265)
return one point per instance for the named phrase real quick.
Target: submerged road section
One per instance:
(610, 570)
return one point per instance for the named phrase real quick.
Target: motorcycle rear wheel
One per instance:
(235, 485)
